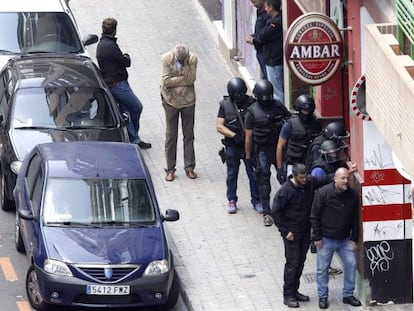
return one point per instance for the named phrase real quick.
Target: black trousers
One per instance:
(295, 254)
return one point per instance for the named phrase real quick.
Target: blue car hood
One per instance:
(25, 139)
(111, 245)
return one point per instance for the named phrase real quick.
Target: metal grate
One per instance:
(405, 21)
(108, 273)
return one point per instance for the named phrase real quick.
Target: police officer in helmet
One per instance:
(230, 123)
(331, 157)
(296, 136)
(333, 131)
(264, 120)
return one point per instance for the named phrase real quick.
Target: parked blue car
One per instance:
(88, 219)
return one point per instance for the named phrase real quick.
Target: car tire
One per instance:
(173, 296)
(33, 291)
(6, 204)
(18, 241)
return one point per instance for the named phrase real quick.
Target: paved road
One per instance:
(225, 262)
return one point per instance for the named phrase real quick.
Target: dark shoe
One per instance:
(351, 300)
(291, 302)
(191, 174)
(144, 145)
(267, 220)
(170, 176)
(334, 271)
(323, 303)
(301, 297)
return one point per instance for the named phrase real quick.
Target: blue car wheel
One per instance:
(33, 290)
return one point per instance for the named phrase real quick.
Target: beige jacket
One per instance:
(177, 87)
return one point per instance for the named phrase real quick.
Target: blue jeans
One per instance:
(128, 102)
(260, 59)
(275, 76)
(233, 156)
(344, 248)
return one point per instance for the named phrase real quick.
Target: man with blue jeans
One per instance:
(113, 63)
(271, 36)
(335, 228)
(261, 18)
(230, 123)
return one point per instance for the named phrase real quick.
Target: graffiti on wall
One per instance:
(379, 257)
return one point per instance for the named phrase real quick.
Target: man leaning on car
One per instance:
(113, 63)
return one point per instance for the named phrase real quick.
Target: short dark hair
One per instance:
(299, 169)
(276, 4)
(109, 26)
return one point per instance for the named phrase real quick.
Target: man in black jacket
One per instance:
(271, 36)
(335, 228)
(290, 211)
(113, 63)
(261, 18)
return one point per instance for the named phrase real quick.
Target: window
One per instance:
(62, 107)
(30, 32)
(98, 201)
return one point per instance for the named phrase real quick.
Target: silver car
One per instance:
(46, 26)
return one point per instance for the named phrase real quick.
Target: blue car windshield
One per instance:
(62, 107)
(33, 32)
(99, 201)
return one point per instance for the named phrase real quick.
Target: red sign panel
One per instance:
(313, 48)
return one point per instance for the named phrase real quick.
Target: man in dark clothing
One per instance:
(264, 120)
(230, 123)
(271, 36)
(331, 157)
(334, 131)
(296, 136)
(261, 18)
(290, 211)
(335, 228)
(113, 63)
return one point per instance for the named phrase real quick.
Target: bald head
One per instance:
(341, 179)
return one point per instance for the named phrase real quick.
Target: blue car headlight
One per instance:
(157, 267)
(56, 267)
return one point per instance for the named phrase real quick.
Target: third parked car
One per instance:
(46, 26)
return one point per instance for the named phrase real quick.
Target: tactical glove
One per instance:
(238, 139)
(281, 176)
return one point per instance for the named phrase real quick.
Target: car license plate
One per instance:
(107, 289)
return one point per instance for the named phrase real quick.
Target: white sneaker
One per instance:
(232, 207)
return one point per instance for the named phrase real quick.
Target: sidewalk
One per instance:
(225, 262)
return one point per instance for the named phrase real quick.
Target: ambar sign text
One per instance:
(313, 48)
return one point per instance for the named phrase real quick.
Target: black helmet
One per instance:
(236, 87)
(263, 90)
(331, 152)
(336, 130)
(305, 101)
